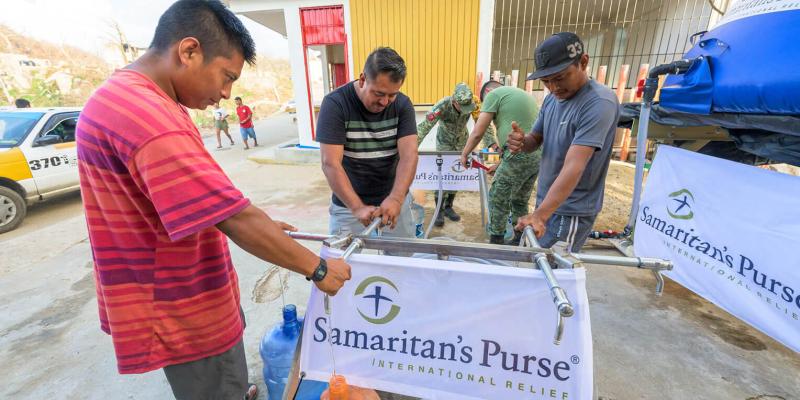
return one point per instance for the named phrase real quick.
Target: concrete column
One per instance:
(485, 26)
(326, 79)
(354, 66)
(294, 35)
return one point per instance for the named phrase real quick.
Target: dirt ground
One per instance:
(617, 199)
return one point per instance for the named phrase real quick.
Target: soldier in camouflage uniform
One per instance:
(452, 112)
(515, 176)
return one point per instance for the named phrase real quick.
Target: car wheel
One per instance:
(12, 209)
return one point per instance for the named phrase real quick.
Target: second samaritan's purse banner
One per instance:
(732, 231)
(454, 175)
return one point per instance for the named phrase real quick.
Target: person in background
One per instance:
(22, 103)
(452, 114)
(516, 174)
(246, 128)
(221, 124)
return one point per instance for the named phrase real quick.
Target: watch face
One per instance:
(321, 271)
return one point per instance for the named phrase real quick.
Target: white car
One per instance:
(290, 107)
(38, 159)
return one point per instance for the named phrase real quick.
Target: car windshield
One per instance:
(15, 126)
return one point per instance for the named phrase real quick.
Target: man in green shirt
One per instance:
(515, 176)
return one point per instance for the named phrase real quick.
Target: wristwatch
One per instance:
(320, 272)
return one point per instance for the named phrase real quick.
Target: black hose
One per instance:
(651, 83)
(675, 67)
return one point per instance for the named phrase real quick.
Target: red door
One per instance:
(339, 75)
(323, 26)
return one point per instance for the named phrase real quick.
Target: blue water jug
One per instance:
(277, 351)
(418, 215)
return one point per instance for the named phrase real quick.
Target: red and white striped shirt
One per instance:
(166, 288)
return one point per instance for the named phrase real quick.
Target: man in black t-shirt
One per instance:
(367, 131)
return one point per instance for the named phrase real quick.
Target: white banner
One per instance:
(454, 175)
(451, 330)
(739, 9)
(732, 231)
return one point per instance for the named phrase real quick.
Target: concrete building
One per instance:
(449, 41)
(17, 70)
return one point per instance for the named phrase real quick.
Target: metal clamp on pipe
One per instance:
(560, 299)
(357, 243)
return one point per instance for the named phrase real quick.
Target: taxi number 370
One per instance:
(48, 162)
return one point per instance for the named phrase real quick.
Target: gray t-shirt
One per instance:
(589, 118)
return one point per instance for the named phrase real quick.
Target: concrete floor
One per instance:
(677, 346)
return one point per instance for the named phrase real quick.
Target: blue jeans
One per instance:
(342, 222)
(247, 132)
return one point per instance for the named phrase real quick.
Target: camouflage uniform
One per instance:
(453, 133)
(515, 176)
(511, 189)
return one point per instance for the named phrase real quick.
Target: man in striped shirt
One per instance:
(367, 130)
(158, 208)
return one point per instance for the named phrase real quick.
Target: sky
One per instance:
(86, 24)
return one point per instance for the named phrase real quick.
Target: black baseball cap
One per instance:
(556, 53)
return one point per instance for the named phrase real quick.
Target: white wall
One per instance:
(291, 13)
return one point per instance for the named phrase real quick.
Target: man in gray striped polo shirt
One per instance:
(367, 134)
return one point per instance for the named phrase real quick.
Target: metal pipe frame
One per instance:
(312, 237)
(482, 194)
(358, 241)
(447, 248)
(477, 250)
(439, 197)
(450, 152)
(635, 262)
(530, 253)
(484, 189)
(559, 295)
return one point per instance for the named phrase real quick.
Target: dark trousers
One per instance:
(220, 377)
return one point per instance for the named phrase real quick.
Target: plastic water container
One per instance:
(418, 214)
(509, 229)
(277, 351)
(339, 388)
